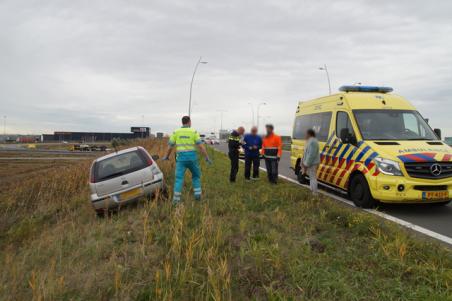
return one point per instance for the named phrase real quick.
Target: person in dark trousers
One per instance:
(272, 151)
(252, 144)
(234, 145)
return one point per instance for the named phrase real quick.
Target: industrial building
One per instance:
(89, 137)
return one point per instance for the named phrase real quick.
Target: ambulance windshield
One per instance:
(393, 125)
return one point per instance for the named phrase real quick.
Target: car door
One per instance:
(341, 152)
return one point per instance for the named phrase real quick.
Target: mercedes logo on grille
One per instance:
(435, 169)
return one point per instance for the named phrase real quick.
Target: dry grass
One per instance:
(246, 241)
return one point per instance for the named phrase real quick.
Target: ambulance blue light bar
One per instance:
(374, 89)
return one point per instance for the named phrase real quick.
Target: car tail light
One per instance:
(92, 176)
(146, 156)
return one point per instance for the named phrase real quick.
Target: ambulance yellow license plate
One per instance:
(435, 195)
(133, 193)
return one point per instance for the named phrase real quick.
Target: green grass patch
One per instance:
(248, 240)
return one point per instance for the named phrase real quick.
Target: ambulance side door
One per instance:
(344, 155)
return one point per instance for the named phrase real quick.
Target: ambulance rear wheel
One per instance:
(302, 178)
(360, 192)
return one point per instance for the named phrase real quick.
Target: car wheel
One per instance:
(302, 178)
(162, 193)
(360, 193)
(100, 213)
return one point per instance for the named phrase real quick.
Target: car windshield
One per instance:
(393, 125)
(119, 165)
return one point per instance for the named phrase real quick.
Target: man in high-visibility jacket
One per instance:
(272, 151)
(185, 140)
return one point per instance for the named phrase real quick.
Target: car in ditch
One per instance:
(123, 177)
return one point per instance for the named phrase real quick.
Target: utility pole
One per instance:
(4, 127)
(191, 84)
(252, 113)
(142, 122)
(327, 76)
(258, 116)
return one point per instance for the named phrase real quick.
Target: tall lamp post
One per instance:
(258, 116)
(4, 126)
(191, 84)
(327, 76)
(221, 119)
(252, 113)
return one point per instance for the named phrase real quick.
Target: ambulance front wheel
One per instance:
(360, 192)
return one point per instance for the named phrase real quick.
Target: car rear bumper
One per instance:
(114, 200)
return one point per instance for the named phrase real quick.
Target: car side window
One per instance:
(343, 122)
(319, 122)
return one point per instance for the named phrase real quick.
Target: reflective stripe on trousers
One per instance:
(181, 167)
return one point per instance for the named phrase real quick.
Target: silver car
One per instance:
(122, 177)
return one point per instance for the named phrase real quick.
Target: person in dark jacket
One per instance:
(234, 144)
(252, 144)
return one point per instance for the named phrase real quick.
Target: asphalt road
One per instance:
(434, 218)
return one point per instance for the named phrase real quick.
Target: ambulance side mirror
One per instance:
(347, 137)
(438, 133)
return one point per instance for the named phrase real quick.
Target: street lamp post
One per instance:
(327, 76)
(191, 84)
(221, 119)
(258, 107)
(4, 126)
(252, 113)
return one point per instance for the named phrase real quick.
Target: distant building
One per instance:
(59, 136)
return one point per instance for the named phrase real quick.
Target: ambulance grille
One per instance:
(423, 170)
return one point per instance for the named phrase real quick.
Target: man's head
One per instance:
(241, 130)
(186, 121)
(310, 133)
(254, 130)
(269, 128)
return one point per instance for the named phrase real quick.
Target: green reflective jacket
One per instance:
(185, 139)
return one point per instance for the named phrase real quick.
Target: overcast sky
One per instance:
(103, 65)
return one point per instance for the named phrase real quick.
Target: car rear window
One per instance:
(119, 165)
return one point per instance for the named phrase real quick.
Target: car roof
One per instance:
(361, 100)
(113, 154)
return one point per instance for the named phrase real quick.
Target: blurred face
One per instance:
(254, 130)
(307, 136)
(241, 130)
(269, 130)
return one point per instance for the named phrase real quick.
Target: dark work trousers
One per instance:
(234, 157)
(255, 161)
(272, 169)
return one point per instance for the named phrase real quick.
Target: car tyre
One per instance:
(100, 213)
(302, 178)
(360, 193)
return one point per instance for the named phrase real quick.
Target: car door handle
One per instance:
(124, 182)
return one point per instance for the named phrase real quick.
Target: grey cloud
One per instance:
(99, 65)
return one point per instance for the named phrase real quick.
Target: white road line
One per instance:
(404, 223)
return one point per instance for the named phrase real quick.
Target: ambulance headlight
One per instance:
(388, 167)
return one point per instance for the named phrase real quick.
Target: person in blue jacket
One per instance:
(252, 143)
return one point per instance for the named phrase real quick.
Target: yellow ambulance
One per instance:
(375, 146)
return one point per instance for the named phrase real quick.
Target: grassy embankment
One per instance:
(243, 241)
